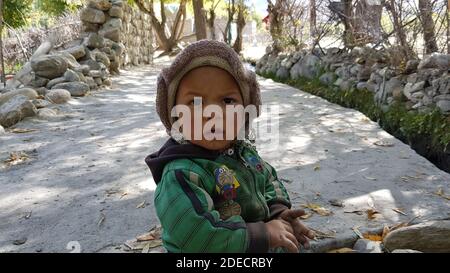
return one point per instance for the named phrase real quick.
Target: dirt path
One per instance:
(86, 174)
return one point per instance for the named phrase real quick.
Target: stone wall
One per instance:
(136, 37)
(114, 35)
(420, 84)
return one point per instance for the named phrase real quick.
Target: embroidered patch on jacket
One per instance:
(226, 186)
(255, 162)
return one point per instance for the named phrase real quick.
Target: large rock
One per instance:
(103, 5)
(102, 58)
(77, 52)
(71, 61)
(328, 78)
(46, 114)
(38, 82)
(49, 66)
(112, 29)
(435, 60)
(71, 76)
(116, 11)
(58, 96)
(283, 73)
(411, 66)
(76, 89)
(83, 69)
(16, 109)
(444, 105)
(95, 40)
(367, 246)
(31, 94)
(433, 236)
(93, 16)
(91, 82)
(54, 82)
(93, 65)
(308, 67)
(411, 88)
(364, 74)
(41, 103)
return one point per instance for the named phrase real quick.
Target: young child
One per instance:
(217, 195)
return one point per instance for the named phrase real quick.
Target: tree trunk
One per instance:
(199, 19)
(349, 32)
(231, 11)
(240, 26)
(211, 25)
(425, 10)
(165, 43)
(312, 19)
(276, 24)
(398, 28)
(448, 26)
(3, 76)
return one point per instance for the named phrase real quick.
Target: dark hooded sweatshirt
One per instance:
(215, 202)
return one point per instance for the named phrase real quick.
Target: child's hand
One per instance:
(301, 232)
(281, 234)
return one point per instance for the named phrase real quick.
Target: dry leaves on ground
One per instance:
(322, 235)
(383, 143)
(400, 211)
(16, 158)
(147, 241)
(371, 214)
(141, 205)
(342, 250)
(318, 209)
(440, 192)
(22, 130)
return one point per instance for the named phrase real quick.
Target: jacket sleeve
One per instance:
(276, 195)
(190, 223)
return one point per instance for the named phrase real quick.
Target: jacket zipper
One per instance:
(247, 166)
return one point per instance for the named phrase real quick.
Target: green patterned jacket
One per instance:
(208, 201)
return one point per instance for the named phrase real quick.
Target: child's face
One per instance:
(216, 87)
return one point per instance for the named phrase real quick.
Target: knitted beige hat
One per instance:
(204, 53)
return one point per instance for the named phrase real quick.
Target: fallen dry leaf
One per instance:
(371, 214)
(386, 231)
(306, 216)
(336, 203)
(318, 209)
(320, 234)
(399, 211)
(373, 237)
(359, 212)
(101, 220)
(22, 130)
(145, 237)
(383, 143)
(141, 205)
(370, 178)
(342, 250)
(16, 158)
(356, 230)
(27, 215)
(440, 192)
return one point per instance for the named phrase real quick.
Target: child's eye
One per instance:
(229, 100)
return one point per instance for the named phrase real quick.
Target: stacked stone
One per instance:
(422, 84)
(53, 77)
(137, 37)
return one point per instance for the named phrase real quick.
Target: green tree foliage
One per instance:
(15, 12)
(56, 7)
